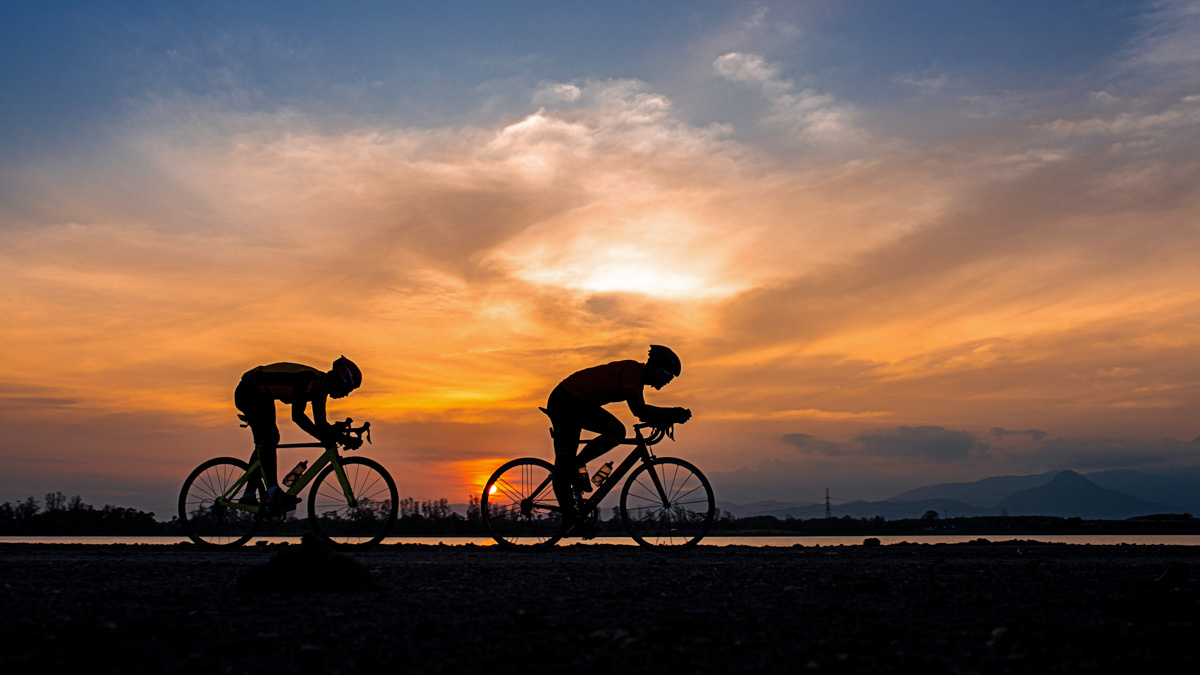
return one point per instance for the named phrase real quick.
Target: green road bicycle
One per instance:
(352, 504)
(666, 504)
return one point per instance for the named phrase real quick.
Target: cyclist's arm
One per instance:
(637, 403)
(638, 406)
(653, 414)
(317, 427)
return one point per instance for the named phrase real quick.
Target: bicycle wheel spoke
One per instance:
(515, 505)
(509, 490)
(361, 518)
(204, 519)
(677, 516)
(680, 494)
(206, 480)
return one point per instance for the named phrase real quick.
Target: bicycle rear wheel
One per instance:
(208, 521)
(677, 517)
(518, 505)
(363, 519)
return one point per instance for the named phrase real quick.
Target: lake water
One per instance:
(781, 541)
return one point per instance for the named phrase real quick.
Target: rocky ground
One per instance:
(957, 608)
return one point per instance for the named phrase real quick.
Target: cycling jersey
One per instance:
(601, 385)
(285, 382)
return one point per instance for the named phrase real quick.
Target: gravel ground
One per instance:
(954, 608)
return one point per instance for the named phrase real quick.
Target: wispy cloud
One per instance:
(1170, 36)
(808, 116)
(931, 443)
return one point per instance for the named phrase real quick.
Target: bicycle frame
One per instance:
(665, 503)
(330, 456)
(640, 453)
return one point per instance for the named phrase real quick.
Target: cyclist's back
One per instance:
(283, 382)
(604, 384)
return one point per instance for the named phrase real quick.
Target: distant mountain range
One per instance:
(1114, 494)
(1069, 493)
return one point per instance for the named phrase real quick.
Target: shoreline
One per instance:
(763, 540)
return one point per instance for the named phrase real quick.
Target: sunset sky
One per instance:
(894, 243)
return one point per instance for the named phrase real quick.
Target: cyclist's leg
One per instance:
(267, 451)
(254, 484)
(566, 442)
(563, 409)
(269, 458)
(259, 412)
(611, 431)
(570, 417)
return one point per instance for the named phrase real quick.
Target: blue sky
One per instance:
(73, 69)
(877, 232)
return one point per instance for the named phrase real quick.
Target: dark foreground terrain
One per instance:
(955, 608)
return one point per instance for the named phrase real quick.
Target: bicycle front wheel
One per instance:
(518, 505)
(361, 518)
(211, 521)
(672, 512)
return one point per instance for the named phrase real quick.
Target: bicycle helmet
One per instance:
(350, 374)
(664, 358)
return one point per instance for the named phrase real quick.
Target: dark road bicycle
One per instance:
(352, 504)
(666, 504)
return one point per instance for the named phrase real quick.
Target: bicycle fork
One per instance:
(662, 492)
(344, 481)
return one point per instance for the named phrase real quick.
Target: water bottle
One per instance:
(294, 475)
(602, 474)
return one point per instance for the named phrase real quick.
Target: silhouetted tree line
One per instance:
(434, 516)
(63, 515)
(413, 517)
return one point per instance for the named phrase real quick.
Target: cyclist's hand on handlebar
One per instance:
(680, 415)
(336, 436)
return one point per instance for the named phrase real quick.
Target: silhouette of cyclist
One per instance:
(297, 385)
(577, 404)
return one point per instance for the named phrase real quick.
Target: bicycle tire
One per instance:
(363, 523)
(515, 512)
(206, 522)
(680, 522)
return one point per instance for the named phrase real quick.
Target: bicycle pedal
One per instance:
(277, 510)
(583, 531)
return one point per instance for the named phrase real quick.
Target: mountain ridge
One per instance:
(1071, 494)
(1108, 494)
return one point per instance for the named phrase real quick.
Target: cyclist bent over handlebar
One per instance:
(577, 404)
(297, 385)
